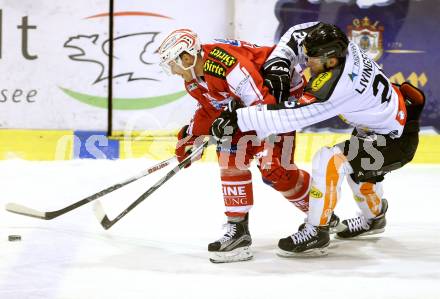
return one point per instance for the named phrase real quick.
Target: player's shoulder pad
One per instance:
(322, 85)
(221, 55)
(214, 68)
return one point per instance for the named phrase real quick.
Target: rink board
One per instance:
(66, 145)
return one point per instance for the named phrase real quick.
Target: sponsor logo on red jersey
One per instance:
(213, 68)
(223, 56)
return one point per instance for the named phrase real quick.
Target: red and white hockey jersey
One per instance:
(357, 91)
(231, 72)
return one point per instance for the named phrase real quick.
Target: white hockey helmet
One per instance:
(177, 42)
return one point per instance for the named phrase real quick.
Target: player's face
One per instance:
(184, 60)
(176, 69)
(187, 60)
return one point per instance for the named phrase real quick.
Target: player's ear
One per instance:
(332, 62)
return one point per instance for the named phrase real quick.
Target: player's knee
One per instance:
(297, 188)
(283, 180)
(298, 193)
(320, 160)
(322, 155)
(325, 159)
(366, 188)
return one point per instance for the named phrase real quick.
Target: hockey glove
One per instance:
(276, 74)
(226, 124)
(184, 146)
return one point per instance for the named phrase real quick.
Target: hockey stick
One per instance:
(25, 211)
(107, 223)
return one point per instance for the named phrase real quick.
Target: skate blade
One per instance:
(369, 233)
(237, 255)
(315, 252)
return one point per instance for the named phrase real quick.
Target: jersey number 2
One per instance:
(380, 79)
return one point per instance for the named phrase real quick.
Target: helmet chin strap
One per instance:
(193, 73)
(192, 69)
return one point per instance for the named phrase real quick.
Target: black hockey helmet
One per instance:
(326, 40)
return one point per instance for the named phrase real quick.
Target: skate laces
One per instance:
(357, 224)
(305, 234)
(230, 233)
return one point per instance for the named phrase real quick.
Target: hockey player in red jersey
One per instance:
(349, 84)
(228, 72)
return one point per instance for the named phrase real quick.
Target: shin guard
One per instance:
(298, 194)
(368, 197)
(237, 194)
(293, 184)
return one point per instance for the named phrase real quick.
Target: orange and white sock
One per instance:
(368, 197)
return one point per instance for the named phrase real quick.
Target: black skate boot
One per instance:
(308, 241)
(360, 226)
(234, 245)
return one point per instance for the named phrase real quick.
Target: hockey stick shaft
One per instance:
(25, 211)
(107, 223)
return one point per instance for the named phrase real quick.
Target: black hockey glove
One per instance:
(226, 124)
(276, 73)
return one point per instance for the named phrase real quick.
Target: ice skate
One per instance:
(360, 226)
(234, 245)
(308, 241)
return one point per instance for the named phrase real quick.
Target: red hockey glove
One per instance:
(184, 146)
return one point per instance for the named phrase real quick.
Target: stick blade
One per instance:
(101, 215)
(25, 211)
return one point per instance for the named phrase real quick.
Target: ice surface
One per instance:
(159, 250)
